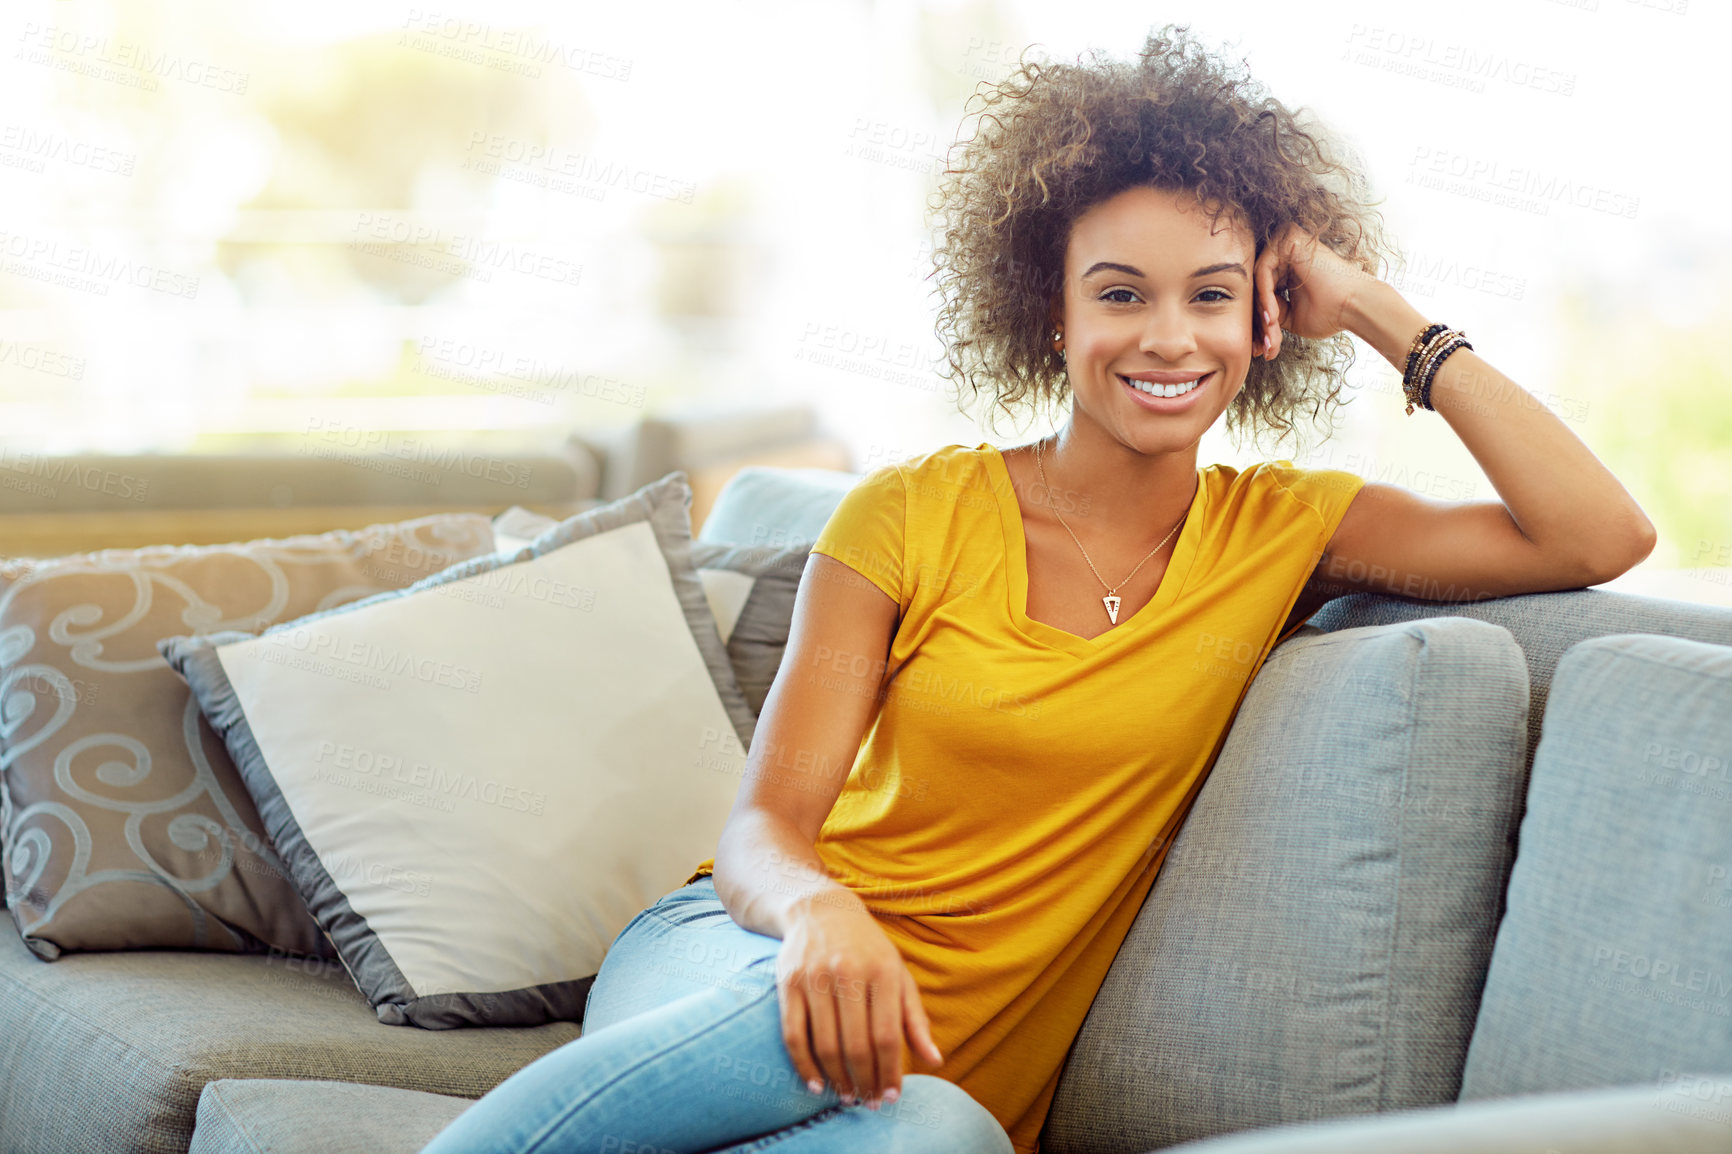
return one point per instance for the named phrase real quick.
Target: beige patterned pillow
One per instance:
(125, 823)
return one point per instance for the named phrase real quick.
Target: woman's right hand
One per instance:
(847, 1002)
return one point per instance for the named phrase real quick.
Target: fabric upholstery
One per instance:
(125, 822)
(1686, 1115)
(108, 1051)
(276, 1116)
(1315, 944)
(461, 882)
(751, 592)
(1614, 963)
(332, 467)
(777, 508)
(757, 634)
(1545, 625)
(517, 527)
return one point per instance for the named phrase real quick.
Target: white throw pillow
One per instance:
(476, 782)
(726, 590)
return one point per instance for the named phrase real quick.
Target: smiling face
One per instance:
(1153, 292)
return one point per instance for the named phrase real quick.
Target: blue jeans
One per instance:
(682, 1053)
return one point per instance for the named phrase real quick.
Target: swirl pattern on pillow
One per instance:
(125, 822)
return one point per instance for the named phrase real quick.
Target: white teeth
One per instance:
(1163, 390)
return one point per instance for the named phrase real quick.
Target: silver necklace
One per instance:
(1111, 600)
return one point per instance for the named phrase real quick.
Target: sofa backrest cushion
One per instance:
(1316, 942)
(751, 590)
(768, 506)
(1614, 963)
(1545, 625)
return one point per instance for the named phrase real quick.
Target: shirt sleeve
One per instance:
(867, 532)
(1326, 492)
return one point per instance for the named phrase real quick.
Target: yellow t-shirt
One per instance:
(1015, 794)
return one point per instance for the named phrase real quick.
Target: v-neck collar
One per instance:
(1016, 568)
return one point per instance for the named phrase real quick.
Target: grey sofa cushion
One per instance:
(1545, 625)
(1685, 1116)
(1614, 964)
(1316, 941)
(775, 507)
(275, 1116)
(758, 634)
(108, 1051)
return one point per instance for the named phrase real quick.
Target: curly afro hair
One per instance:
(1052, 140)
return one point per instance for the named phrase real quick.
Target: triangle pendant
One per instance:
(1112, 604)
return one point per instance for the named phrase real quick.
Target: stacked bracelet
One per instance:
(1428, 351)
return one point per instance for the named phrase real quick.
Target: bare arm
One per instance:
(846, 994)
(807, 736)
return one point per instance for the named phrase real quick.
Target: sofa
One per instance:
(332, 475)
(1393, 919)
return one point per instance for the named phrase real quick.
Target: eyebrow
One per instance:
(1207, 270)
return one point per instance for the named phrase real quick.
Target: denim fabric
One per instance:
(682, 1052)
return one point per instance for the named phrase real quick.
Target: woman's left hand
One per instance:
(1319, 284)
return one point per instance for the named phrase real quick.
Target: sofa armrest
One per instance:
(1689, 1114)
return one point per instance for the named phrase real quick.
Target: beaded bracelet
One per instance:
(1457, 341)
(1428, 351)
(1419, 342)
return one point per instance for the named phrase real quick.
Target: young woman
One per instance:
(1010, 671)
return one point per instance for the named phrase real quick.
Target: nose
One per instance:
(1167, 334)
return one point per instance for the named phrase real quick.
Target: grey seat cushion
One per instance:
(276, 1116)
(1614, 964)
(1687, 1115)
(109, 1051)
(1315, 943)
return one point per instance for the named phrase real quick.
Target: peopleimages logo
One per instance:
(121, 61)
(63, 471)
(1664, 971)
(353, 765)
(40, 360)
(36, 148)
(364, 655)
(88, 269)
(375, 443)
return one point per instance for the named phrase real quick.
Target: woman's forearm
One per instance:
(1559, 494)
(767, 872)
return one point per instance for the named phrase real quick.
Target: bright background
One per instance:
(219, 218)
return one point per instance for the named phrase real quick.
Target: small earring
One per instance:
(1058, 343)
